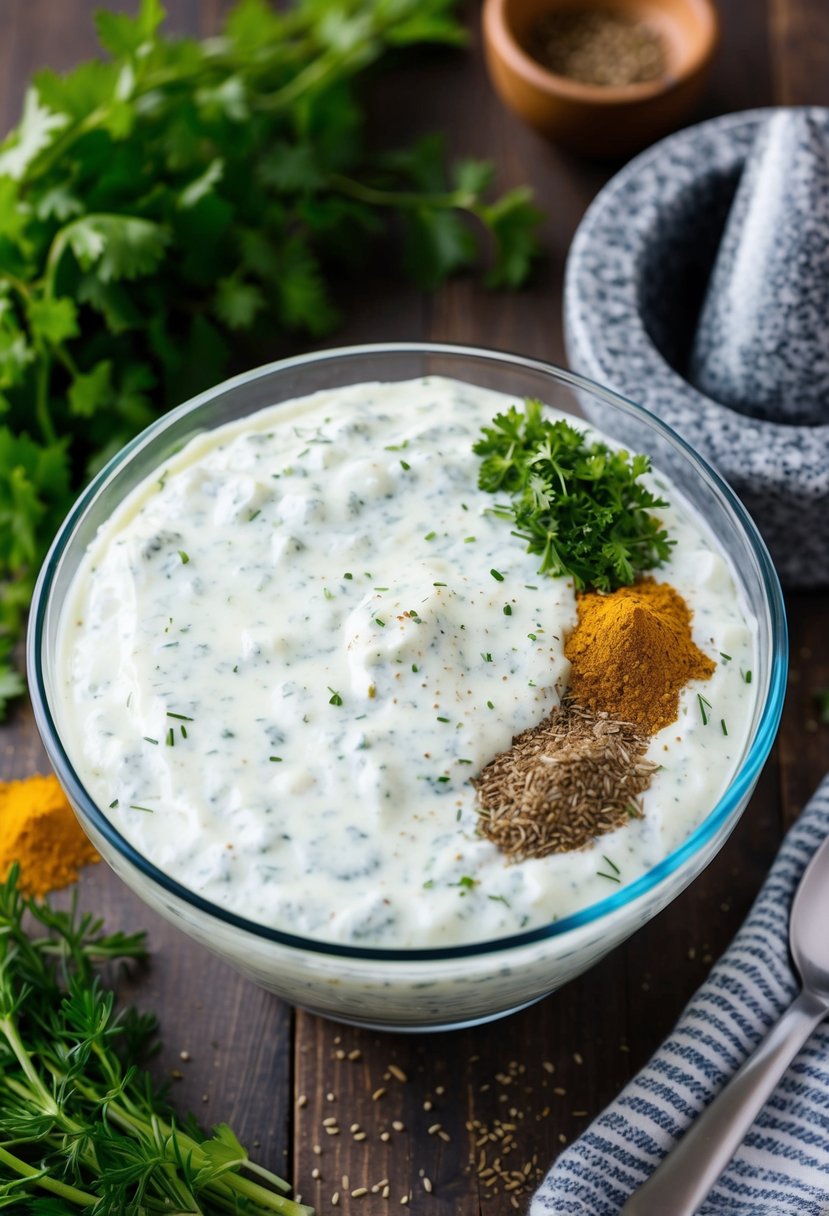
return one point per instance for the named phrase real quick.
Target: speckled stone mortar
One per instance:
(636, 278)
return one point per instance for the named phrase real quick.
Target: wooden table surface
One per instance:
(275, 1073)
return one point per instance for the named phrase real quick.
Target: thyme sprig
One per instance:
(81, 1124)
(579, 504)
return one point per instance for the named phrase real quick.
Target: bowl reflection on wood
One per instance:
(636, 278)
(415, 989)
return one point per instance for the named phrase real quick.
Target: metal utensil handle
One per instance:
(690, 1170)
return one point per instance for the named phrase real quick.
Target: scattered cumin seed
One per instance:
(359, 1191)
(427, 1185)
(398, 1073)
(302, 1101)
(378, 1094)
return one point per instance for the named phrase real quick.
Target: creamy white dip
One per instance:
(287, 653)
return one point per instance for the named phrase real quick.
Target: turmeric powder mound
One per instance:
(38, 830)
(632, 652)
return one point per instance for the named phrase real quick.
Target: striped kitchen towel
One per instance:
(782, 1168)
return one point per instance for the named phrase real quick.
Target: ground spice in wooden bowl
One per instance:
(598, 47)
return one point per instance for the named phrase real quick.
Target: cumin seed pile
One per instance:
(575, 776)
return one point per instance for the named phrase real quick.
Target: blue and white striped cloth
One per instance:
(782, 1168)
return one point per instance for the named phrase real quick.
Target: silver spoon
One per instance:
(688, 1173)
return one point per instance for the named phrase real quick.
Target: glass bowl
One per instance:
(417, 989)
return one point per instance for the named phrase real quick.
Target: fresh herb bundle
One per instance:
(579, 504)
(165, 205)
(81, 1125)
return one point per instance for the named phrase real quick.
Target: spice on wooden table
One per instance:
(597, 46)
(39, 831)
(632, 652)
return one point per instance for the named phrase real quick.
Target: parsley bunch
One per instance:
(580, 505)
(81, 1125)
(177, 207)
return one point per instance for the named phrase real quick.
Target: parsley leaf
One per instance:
(579, 504)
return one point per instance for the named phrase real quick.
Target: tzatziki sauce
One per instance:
(288, 651)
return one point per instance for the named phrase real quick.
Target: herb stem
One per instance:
(40, 1178)
(9, 1029)
(376, 197)
(42, 377)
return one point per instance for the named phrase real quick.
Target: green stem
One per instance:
(228, 1182)
(9, 1029)
(39, 1178)
(448, 199)
(42, 377)
(22, 289)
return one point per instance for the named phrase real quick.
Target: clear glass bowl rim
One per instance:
(738, 788)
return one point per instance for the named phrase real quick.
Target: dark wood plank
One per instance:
(742, 75)
(801, 52)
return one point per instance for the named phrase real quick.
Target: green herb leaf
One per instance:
(82, 1122)
(53, 320)
(163, 199)
(579, 504)
(91, 391)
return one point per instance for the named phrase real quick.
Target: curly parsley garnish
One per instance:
(577, 503)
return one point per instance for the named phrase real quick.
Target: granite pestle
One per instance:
(762, 342)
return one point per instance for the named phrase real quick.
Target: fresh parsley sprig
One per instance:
(177, 207)
(81, 1124)
(578, 503)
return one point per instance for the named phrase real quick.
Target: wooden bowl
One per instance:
(600, 120)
